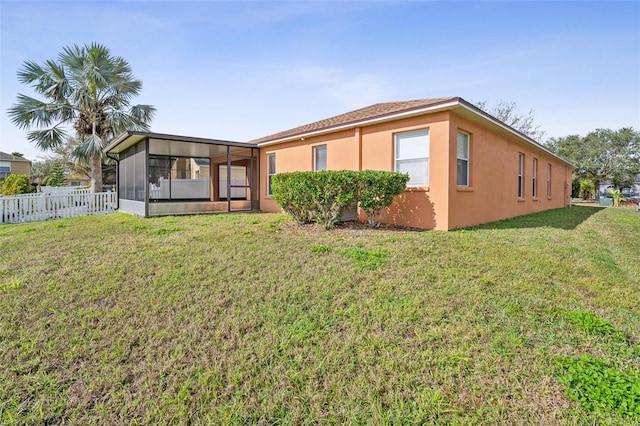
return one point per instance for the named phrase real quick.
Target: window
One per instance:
(271, 170)
(178, 178)
(534, 190)
(520, 175)
(5, 169)
(412, 156)
(319, 158)
(549, 180)
(463, 160)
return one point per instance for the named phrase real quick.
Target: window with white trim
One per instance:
(520, 175)
(319, 158)
(412, 156)
(271, 170)
(534, 178)
(549, 180)
(462, 161)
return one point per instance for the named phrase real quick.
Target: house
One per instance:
(465, 166)
(11, 164)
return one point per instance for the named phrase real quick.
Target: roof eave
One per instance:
(478, 111)
(430, 109)
(441, 106)
(142, 135)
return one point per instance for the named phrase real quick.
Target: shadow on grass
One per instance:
(563, 218)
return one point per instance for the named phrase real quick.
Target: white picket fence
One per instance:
(59, 190)
(45, 206)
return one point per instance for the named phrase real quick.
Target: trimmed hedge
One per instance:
(376, 190)
(315, 196)
(319, 197)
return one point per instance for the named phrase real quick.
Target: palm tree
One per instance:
(87, 90)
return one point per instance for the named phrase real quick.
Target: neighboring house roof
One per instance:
(201, 161)
(9, 157)
(388, 111)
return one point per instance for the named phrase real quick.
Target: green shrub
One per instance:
(587, 188)
(617, 197)
(15, 184)
(321, 196)
(376, 190)
(315, 196)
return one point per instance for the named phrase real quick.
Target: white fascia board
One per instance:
(375, 120)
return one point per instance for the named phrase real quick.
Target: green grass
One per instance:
(246, 318)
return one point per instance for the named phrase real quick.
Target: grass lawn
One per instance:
(246, 318)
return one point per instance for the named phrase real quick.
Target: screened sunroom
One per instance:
(169, 175)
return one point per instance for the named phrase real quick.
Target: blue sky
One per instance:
(242, 70)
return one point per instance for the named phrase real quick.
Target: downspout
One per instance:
(117, 179)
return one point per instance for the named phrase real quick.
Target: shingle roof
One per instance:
(353, 117)
(10, 157)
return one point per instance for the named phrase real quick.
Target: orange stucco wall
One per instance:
(442, 205)
(492, 193)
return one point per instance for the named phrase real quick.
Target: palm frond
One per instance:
(118, 121)
(29, 112)
(30, 72)
(89, 148)
(47, 139)
(143, 114)
(73, 58)
(57, 86)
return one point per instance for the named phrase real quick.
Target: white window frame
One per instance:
(271, 159)
(520, 175)
(315, 157)
(397, 137)
(534, 179)
(549, 180)
(467, 140)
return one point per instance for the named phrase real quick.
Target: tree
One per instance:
(17, 154)
(87, 90)
(56, 178)
(508, 113)
(603, 154)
